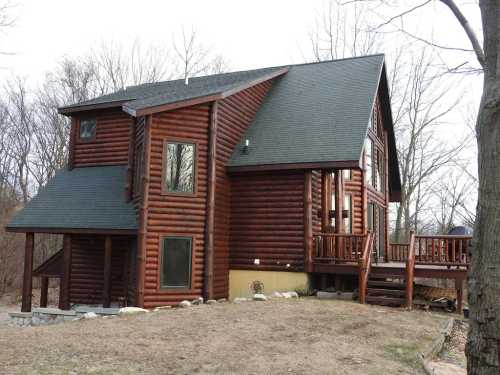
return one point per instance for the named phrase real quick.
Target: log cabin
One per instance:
(204, 186)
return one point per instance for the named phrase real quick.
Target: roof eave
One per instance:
(341, 164)
(71, 110)
(61, 230)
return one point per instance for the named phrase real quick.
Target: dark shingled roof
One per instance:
(316, 112)
(148, 95)
(83, 198)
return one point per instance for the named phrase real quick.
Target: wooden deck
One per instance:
(436, 257)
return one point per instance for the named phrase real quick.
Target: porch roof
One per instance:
(83, 199)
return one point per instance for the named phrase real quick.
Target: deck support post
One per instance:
(326, 184)
(64, 288)
(44, 291)
(106, 300)
(28, 271)
(308, 225)
(459, 286)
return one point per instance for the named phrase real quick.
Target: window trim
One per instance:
(91, 139)
(164, 190)
(176, 289)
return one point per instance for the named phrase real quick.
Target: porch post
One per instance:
(107, 273)
(65, 282)
(325, 199)
(28, 270)
(339, 201)
(308, 230)
(44, 290)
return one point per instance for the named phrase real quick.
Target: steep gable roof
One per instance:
(313, 114)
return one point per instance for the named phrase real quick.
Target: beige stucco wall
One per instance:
(241, 280)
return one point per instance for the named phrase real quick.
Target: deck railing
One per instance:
(398, 252)
(410, 271)
(338, 247)
(442, 250)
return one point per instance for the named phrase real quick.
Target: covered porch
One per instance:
(87, 207)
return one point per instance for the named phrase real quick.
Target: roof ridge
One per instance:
(256, 69)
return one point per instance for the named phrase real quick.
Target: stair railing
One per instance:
(410, 269)
(364, 267)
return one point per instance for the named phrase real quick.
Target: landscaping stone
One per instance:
(98, 310)
(222, 300)
(211, 302)
(197, 301)
(159, 308)
(89, 315)
(184, 304)
(240, 299)
(131, 310)
(259, 297)
(277, 295)
(290, 294)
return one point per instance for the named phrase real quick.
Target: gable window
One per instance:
(87, 129)
(179, 167)
(176, 262)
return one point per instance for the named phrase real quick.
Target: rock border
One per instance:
(425, 357)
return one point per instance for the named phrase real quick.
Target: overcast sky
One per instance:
(250, 34)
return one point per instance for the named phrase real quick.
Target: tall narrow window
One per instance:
(176, 262)
(347, 174)
(179, 173)
(348, 208)
(369, 161)
(87, 129)
(381, 172)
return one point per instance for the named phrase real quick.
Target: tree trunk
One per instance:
(483, 347)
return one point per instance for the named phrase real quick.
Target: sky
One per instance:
(250, 34)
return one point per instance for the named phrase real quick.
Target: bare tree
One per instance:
(195, 58)
(342, 31)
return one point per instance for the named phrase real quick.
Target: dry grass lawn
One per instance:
(305, 336)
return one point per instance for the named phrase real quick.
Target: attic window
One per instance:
(87, 129)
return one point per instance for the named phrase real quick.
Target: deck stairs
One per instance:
(386, 286)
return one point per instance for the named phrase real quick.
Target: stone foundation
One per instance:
(46, 316)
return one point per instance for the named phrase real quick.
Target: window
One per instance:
(87, 129)
(380, 172)
(179, 168)
(176, 262)
(369, 161)
(347, 174)
(348, 208)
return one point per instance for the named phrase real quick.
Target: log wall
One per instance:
(267, 221)
(87, 268)
(110, 145)
(235, 114)
(176, 214)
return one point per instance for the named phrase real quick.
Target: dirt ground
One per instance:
(305, 336)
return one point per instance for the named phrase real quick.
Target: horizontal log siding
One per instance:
(110, 146)
(235, 114)
(354, 187)
(87, 268)
(267, 221)
(176, 214)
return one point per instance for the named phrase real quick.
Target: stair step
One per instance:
(387, 276)
(386, 284)
(385, 301)
(384, 292)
